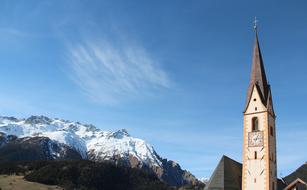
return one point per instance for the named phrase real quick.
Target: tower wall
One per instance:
(255, 171)
(259, 170)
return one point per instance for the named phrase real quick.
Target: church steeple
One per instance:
(258, 76)
(259, 169)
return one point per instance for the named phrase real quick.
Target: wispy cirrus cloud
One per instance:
(110, 75)
(12, 32)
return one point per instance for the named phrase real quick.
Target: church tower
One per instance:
(259, 171)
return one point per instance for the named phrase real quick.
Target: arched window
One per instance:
(271, 131)
(255, 124)
(255, 155)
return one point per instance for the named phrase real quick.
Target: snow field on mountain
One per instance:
(83, 138)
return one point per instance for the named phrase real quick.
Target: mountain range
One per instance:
(43, 138)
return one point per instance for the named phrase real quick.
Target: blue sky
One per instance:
(174, 73)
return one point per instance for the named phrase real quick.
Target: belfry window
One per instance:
(271, 131)
(255, 155)
(255, 124)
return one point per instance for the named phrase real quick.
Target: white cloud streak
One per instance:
(12, 32)
(110, 75)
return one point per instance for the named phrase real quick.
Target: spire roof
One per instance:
(258, 76)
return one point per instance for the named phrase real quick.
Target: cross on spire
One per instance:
(255, 23)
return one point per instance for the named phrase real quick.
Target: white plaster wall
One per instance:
(258, 168)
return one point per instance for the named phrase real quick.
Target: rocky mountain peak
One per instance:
(120, 134)
(38, 120)
(9, 118)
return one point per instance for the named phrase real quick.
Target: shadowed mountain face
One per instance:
(35, 148)
(42, 138)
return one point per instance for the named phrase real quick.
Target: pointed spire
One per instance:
(258, 76)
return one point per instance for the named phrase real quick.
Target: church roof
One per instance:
(297, 184)
(258, 76)
(280, 184)
(300, 173)
(227, 175)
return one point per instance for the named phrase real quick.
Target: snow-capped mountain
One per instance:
(93, 144)
(34, 148)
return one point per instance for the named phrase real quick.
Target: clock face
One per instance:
(255, 138)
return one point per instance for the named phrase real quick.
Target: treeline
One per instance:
(84, 175)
